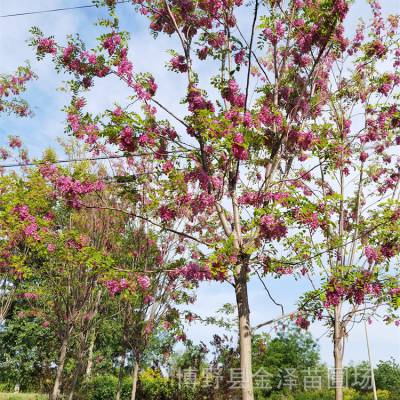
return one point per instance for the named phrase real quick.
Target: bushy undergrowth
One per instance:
(152, 386)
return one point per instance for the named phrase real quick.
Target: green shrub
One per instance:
(349, 394)
(382, 395)
(100, 387)
(281, 396)
(6, 387)
(315, 395)
(153, 386)
(22, 396)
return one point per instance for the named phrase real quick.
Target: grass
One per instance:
(22, 396)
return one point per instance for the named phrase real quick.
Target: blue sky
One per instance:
(148, 54)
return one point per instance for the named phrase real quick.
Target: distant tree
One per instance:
(387, 376)
(292, 351)
(27, 351)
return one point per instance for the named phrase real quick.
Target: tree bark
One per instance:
(74, 382)
(60, 368)
(338, 354)
(120, 376)
(135, 374)
(89, 365)
(244, 332)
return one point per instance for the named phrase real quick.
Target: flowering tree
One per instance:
(24, 202)
(229, 175)
(147, 275)
(350, 219)
(41, 248)
(148, 280)
(68, 277)
(147, 287)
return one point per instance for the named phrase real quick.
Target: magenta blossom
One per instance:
(144, 281)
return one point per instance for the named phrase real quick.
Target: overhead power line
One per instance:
(66, 161)
(63, 161)
(56, 10)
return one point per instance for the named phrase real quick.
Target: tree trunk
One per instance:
(60, 368)
(120, 376)
(244, 332)
(135, 373)
(338, 354)
(89, 365)
(74, 382)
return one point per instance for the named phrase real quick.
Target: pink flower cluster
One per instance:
(199, 175)
(269, 118)
(125, 69)
(68, 187)
(202, 202)
(145, 92)
(394, 292)
(116, 286)
(23, 212)
(238, 149)
(364, 285)
(179, 64)
(83, 63)
(166, 214)
(192, 272)
(30, 230)
(302, 322)
(74, 122)
(272, 228)
(47, 45)
(127, 141)
(15, 142)
(309, 219)
(300, 140)
(240, 56)
(276, 33)
(257, 199)
(371, 254)
(334, 296)
(4, 154)
(233, 95)
(112, 42)
(197, 101)
(144, 282)
(72, 189)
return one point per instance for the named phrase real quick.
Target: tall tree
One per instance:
(216, 176)
(351, 215)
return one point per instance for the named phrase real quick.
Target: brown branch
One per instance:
(250, 53)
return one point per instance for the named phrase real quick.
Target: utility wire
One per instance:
(42, 162)
(61, 161)
(56, 10)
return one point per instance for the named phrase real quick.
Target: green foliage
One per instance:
(280, 396)
(22, 396)
(26, 352)
(152, 386)
(349, 394)
(290, 349)
(387, 376)
(100, 387)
